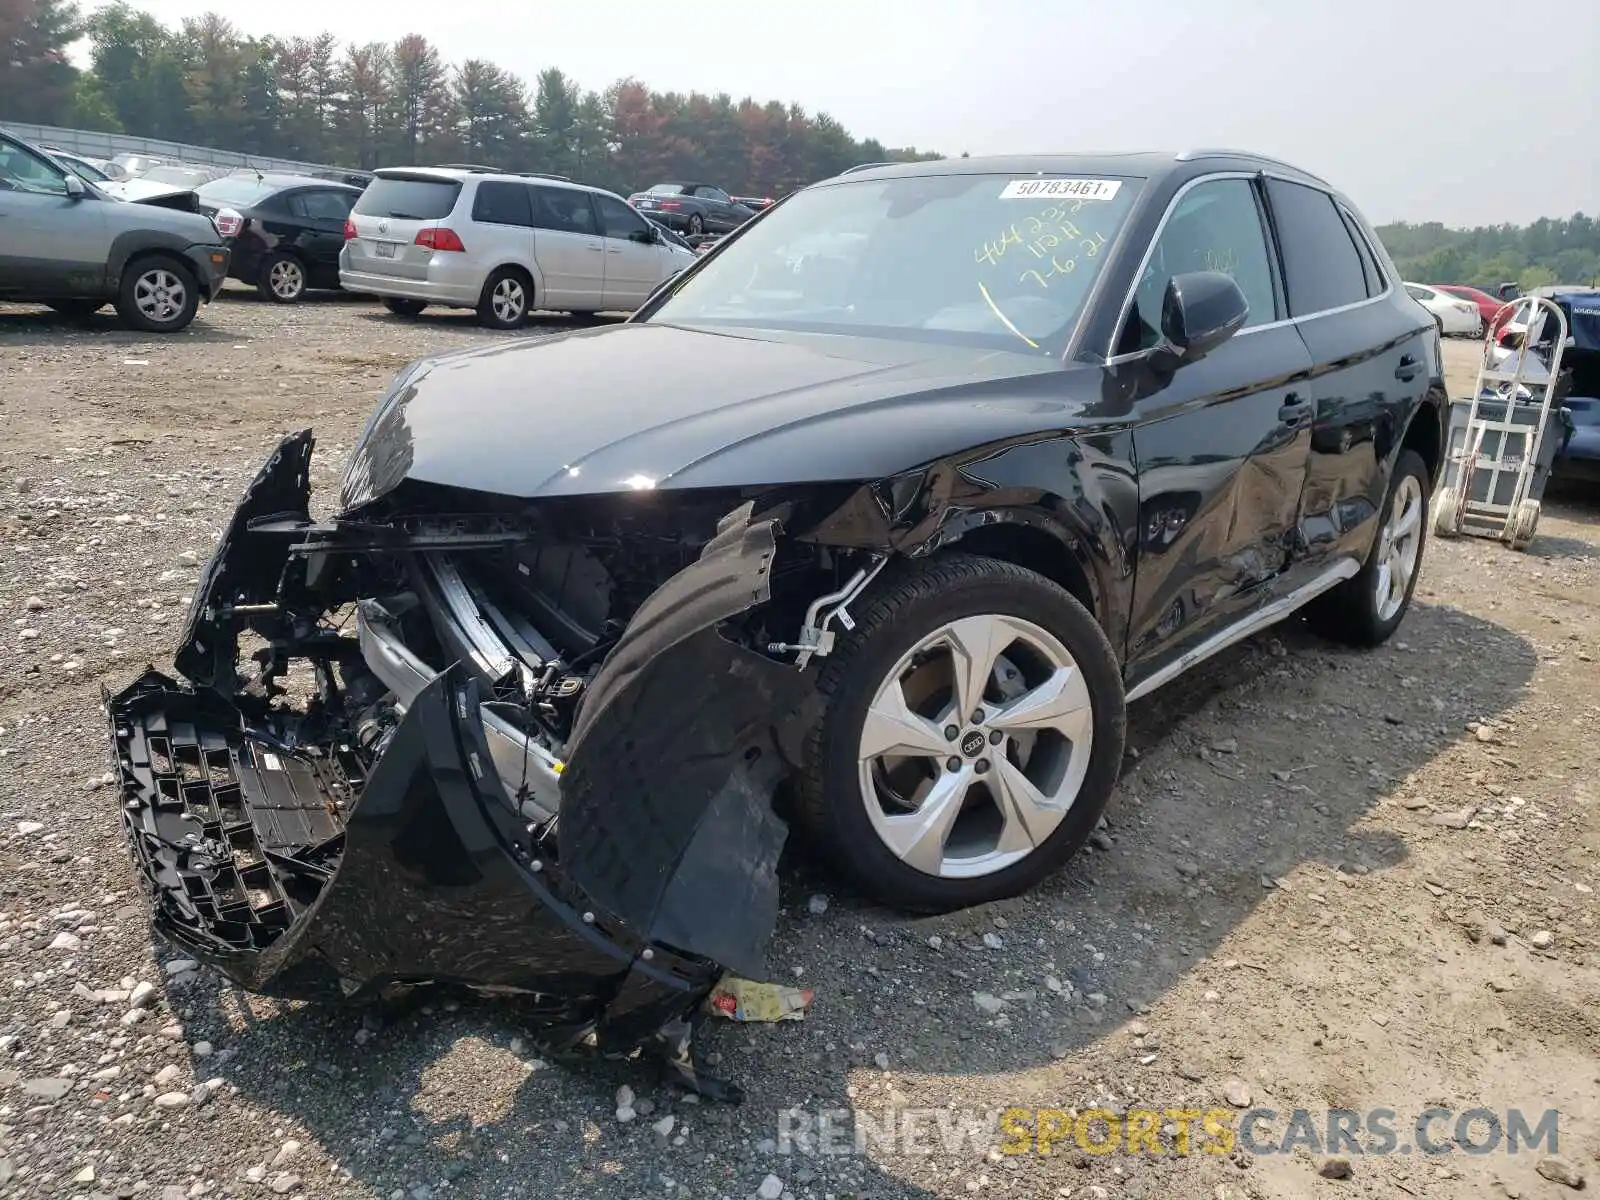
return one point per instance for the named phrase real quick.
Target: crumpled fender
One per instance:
(666, 799)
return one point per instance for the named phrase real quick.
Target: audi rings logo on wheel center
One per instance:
(972, 744)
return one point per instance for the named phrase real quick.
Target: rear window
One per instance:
(236, 189)
(408, 199)
(667, 189)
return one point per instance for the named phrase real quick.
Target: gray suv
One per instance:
(65, 243)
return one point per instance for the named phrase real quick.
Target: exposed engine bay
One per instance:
(523, 749)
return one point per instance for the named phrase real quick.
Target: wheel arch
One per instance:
(1427, 433)
(130, 247)
(529, 273)
(1030, 540)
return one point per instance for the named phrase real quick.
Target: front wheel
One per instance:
(1368, 607)
(158, 295)
(971, 738)
(405, 308)
(697, 225)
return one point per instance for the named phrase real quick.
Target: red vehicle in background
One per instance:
(1495, 311)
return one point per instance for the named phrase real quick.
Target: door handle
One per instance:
(1293, 409)
(596, 249)
(1409, 367)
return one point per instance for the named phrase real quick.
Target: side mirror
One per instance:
(1199, 312)
(648, 236)
(75, 188)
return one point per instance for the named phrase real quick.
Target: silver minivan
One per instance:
(502, 244)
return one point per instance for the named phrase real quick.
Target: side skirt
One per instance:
(1252, 623)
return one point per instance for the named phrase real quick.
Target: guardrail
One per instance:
(92, 144)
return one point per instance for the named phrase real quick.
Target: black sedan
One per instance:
(890, 505)
(692, 208)
(286, 231)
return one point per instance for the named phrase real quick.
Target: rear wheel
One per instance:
(405, 308)
(1369, 606)
(506, 299)
(282, 279)
(158, 295)
(972, 735)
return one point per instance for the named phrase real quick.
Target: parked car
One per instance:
(65, 243)
(502, 244)
(162, 180)
(692, 208)
(754, 203)
(1493, 310)
(1454, 316)
(82, 167)
(285, 231)
(901, 532)
(1579, 458)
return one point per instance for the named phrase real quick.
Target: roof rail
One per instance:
(865, 167)
(544, 175)
(1224, 152)
(476, 168)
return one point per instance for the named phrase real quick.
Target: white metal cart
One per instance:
(1501, 440)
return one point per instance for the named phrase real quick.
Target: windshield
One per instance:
(236, 189)
(410, 199)
(81, 169)
(982, 260)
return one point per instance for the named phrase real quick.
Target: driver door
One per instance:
(52, 244)
(1222, 444)
(634, 259)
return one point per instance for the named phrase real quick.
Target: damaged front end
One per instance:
(523, 747)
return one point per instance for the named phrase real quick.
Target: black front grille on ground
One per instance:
(234, 835)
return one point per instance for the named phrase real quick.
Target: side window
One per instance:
(563, 210)
(502, 204)
(320, 206)
(1377, 283)
(1321, 266)
(617, 219)
(714, 193)
(21, 171)
(1418, 293)
(1216, 226)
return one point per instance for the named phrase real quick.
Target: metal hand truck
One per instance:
(1494, 468)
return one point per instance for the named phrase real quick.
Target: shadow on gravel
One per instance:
(1264, 759)
(45, 327)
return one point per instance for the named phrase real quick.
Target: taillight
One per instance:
(671, 204)
(440, 239)
(349, 230)
(228, 222)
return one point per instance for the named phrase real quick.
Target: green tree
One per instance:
(37, 80)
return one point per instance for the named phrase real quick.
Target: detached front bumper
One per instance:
(307, 861)
(210, 267)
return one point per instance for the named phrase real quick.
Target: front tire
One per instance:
(972, 735)
(405, 308)
(1368, 607)
(697, 225)
(507, 298)
(282, 279)
(158, 294)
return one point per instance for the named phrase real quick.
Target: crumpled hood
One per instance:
(659, 406)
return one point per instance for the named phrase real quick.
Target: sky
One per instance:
(1468, 112)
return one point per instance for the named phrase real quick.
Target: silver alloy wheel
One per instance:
(160, 295)
(1398, 547)
(286, 279)
(975, 746)
(509, 299)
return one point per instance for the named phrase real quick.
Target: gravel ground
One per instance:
(1328, 879)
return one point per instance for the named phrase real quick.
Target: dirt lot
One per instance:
(1329, 880)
